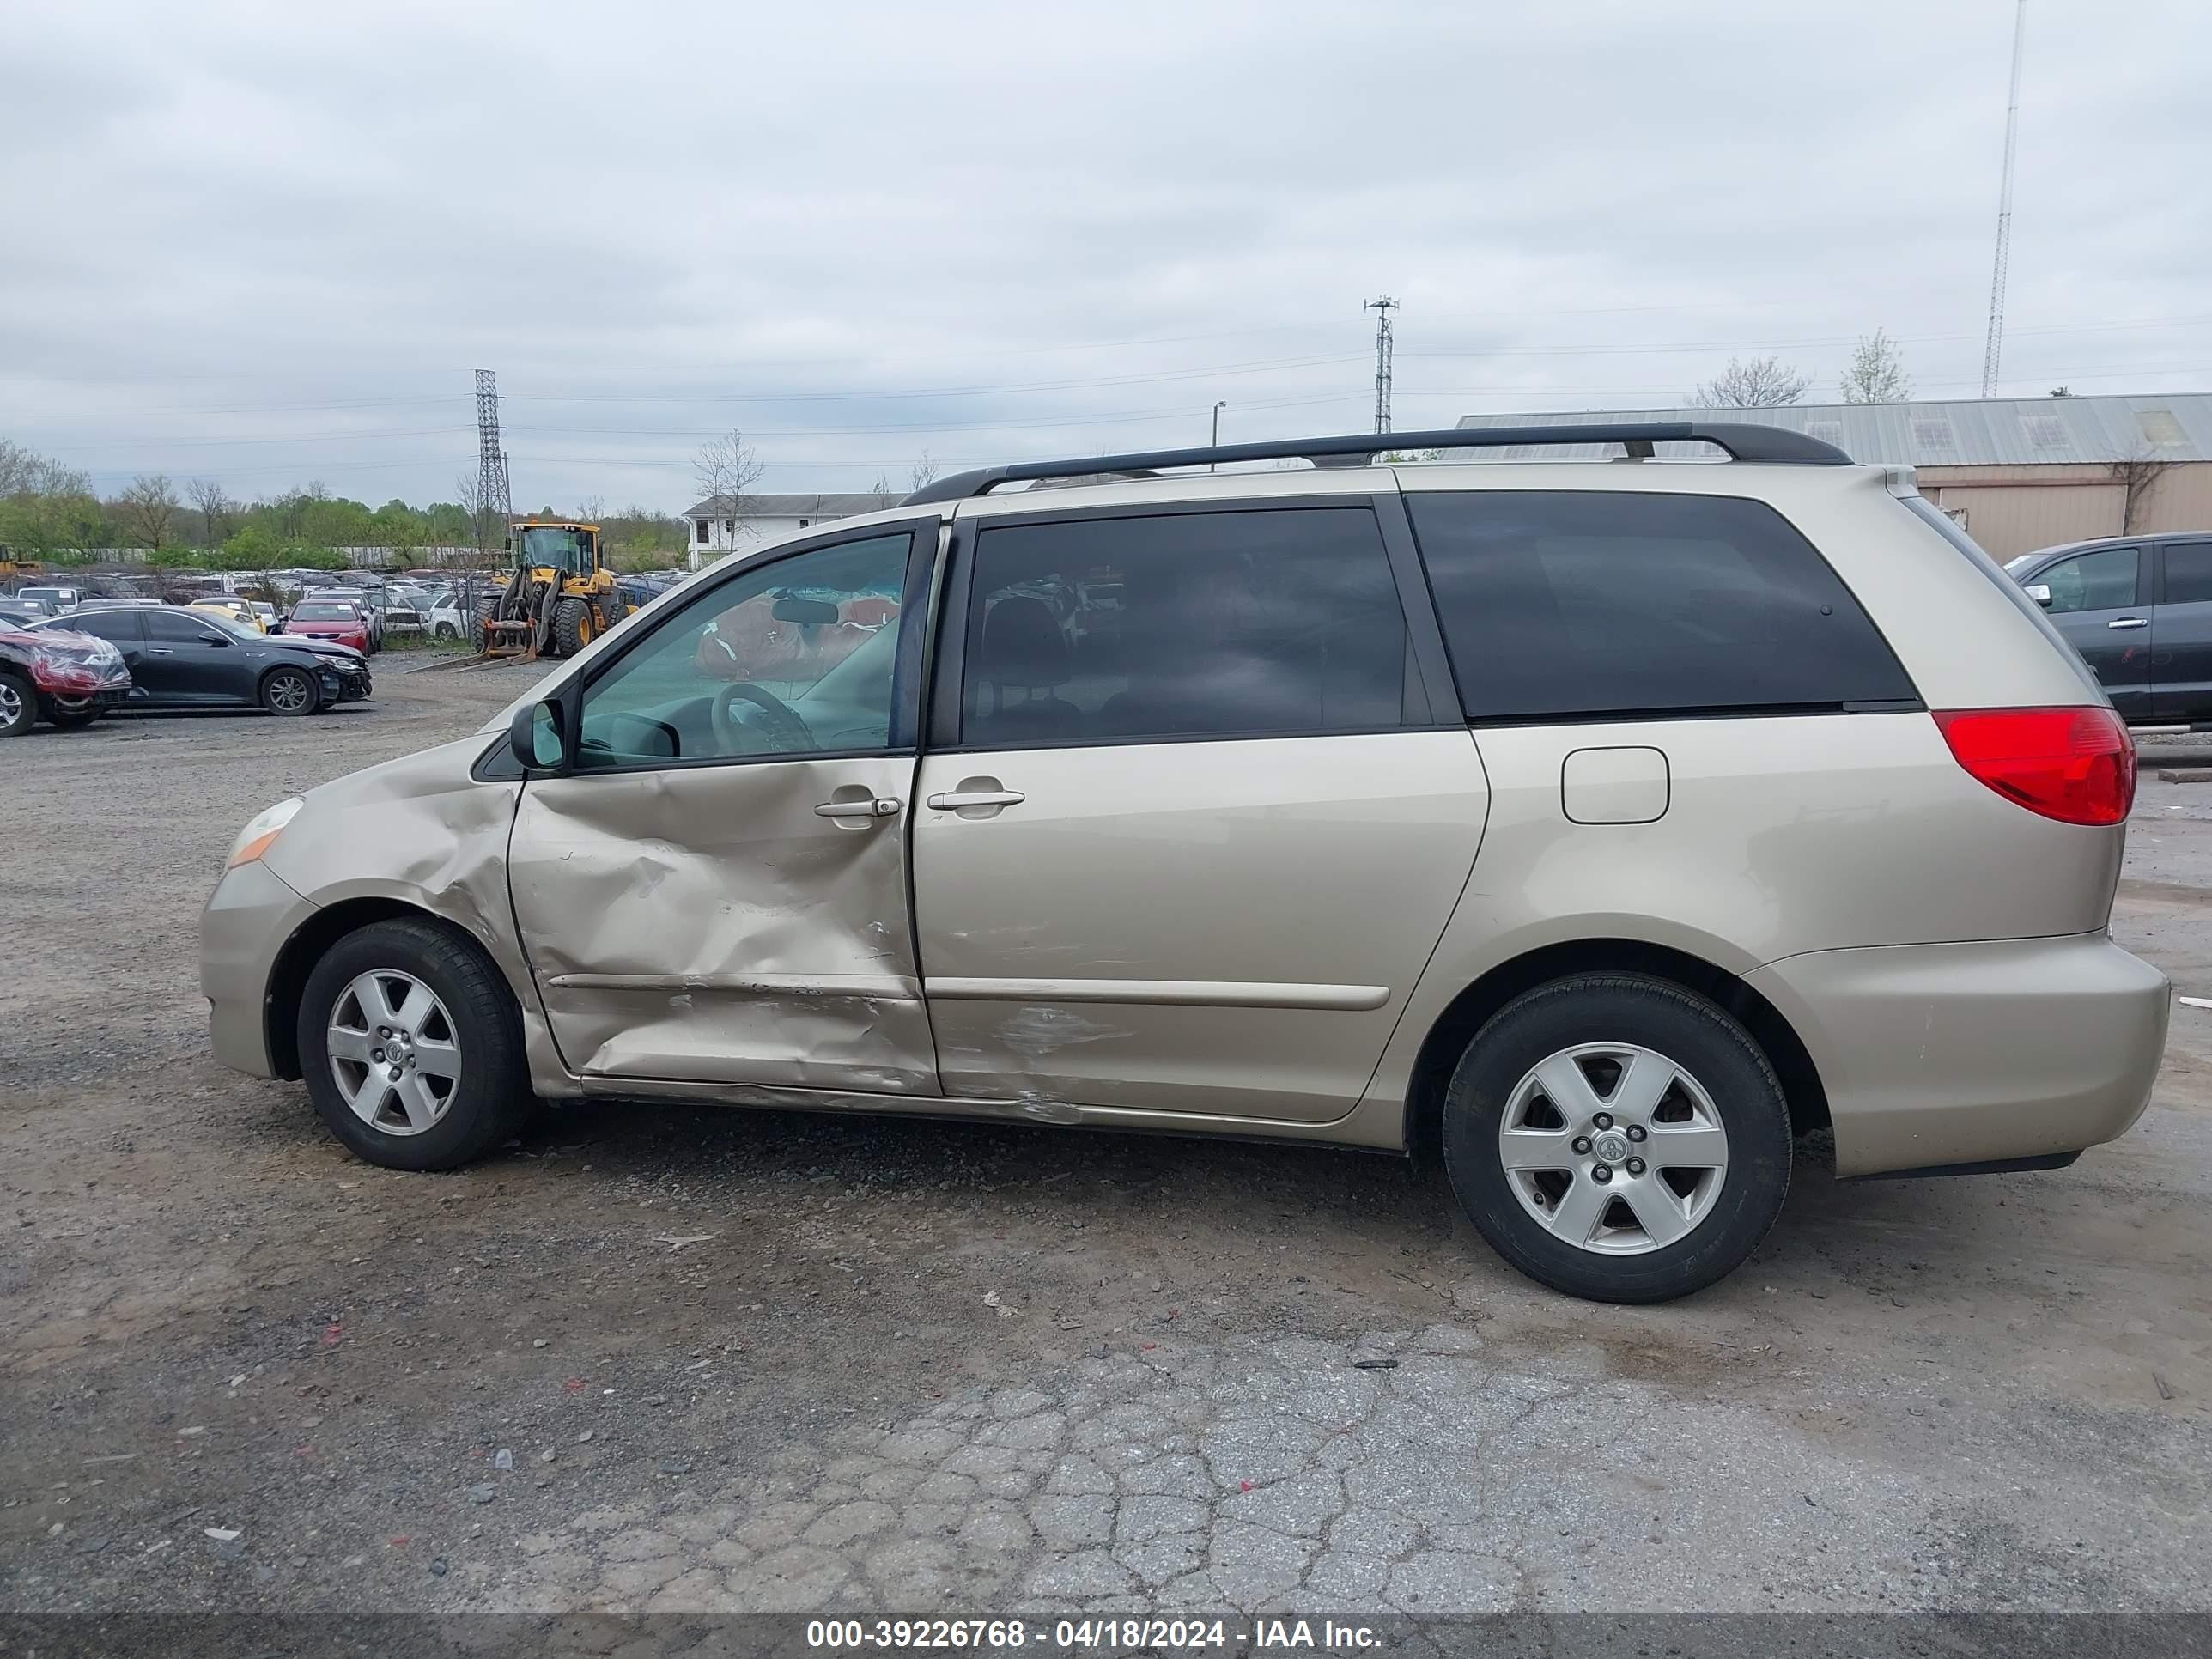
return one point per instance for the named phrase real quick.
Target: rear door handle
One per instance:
(881, 807)
(958, 799)
(2129, 622)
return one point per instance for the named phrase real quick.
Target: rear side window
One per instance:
(1273, 623)
(1585, 603)
(120, 626)
(2187, 573)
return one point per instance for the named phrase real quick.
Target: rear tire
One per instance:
(19, 705)
(290, 691)
(574, 627)
(1658, 1224)
(464, 1084)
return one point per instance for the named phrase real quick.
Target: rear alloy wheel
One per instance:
(19, 705)
(288, 691)
(1618, 1138)
(574, 627)
(411, 1046)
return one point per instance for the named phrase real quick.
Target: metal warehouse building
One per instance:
(2019, 473)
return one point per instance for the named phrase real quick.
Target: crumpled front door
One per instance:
(715, 925)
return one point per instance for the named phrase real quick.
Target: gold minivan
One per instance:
(1604, 825)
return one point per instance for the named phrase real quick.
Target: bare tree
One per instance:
(149, 509)
(925, 471)
(2137, 476)
(593, 509)
(1876, 373)
(726, 470)
(19, 469)
(882, 490)
(1762, 383)
(476, 506)
(214, 504)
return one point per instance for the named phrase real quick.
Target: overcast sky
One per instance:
(269, 243)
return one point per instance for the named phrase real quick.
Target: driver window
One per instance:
(798, 657)
(2102, 581)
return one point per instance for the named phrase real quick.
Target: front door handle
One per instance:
(165, 651)
(881, 807)
(2129, 622)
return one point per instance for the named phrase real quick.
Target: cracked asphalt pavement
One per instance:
(667, 1358)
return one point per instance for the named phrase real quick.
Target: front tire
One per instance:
(573, 627)
(411, 1046)
(290, 691)
(1618, 1138)
(19, 705)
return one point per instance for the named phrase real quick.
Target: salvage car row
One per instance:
(114, 654)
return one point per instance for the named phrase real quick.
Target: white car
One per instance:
(447, 621)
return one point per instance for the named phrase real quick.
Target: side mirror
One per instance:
(818, 611)
(2041, 592)
(538, 736)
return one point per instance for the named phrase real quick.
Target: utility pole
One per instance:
(1995, 349)
(1218, 408)
(1382, 308)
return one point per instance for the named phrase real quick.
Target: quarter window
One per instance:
(1184, 625)
(1602, 603)
(2102, 581)
(798, 657)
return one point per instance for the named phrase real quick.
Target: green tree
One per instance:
(255, 547)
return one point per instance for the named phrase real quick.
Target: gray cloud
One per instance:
(266, 244)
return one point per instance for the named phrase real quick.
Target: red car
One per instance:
(329, 619)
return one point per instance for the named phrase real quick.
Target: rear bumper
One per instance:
(248, 918)
(1993, 1051)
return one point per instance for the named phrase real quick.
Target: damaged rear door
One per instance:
(717, 893)
(1196, 806)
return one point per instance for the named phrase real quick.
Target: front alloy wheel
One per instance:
(393, 1052)
(410, 1042)
(288, 691)
(18, 707)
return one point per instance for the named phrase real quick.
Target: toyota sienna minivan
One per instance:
(1601, 826)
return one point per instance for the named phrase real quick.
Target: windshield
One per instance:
(569, 550)
(323, 610)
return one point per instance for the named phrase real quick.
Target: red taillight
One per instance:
(2077, 765)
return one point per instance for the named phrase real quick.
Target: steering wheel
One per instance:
(778, 732)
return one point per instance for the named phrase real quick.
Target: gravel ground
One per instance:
(658, 1357)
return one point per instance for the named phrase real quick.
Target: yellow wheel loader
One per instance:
(559, 596)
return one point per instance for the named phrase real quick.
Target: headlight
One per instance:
(261, 834)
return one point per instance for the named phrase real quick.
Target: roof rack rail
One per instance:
(1742, 442)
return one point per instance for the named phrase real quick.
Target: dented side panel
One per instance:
(705, 924)
(1219, 928)
(421, 831)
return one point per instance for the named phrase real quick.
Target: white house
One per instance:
(719, 525)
